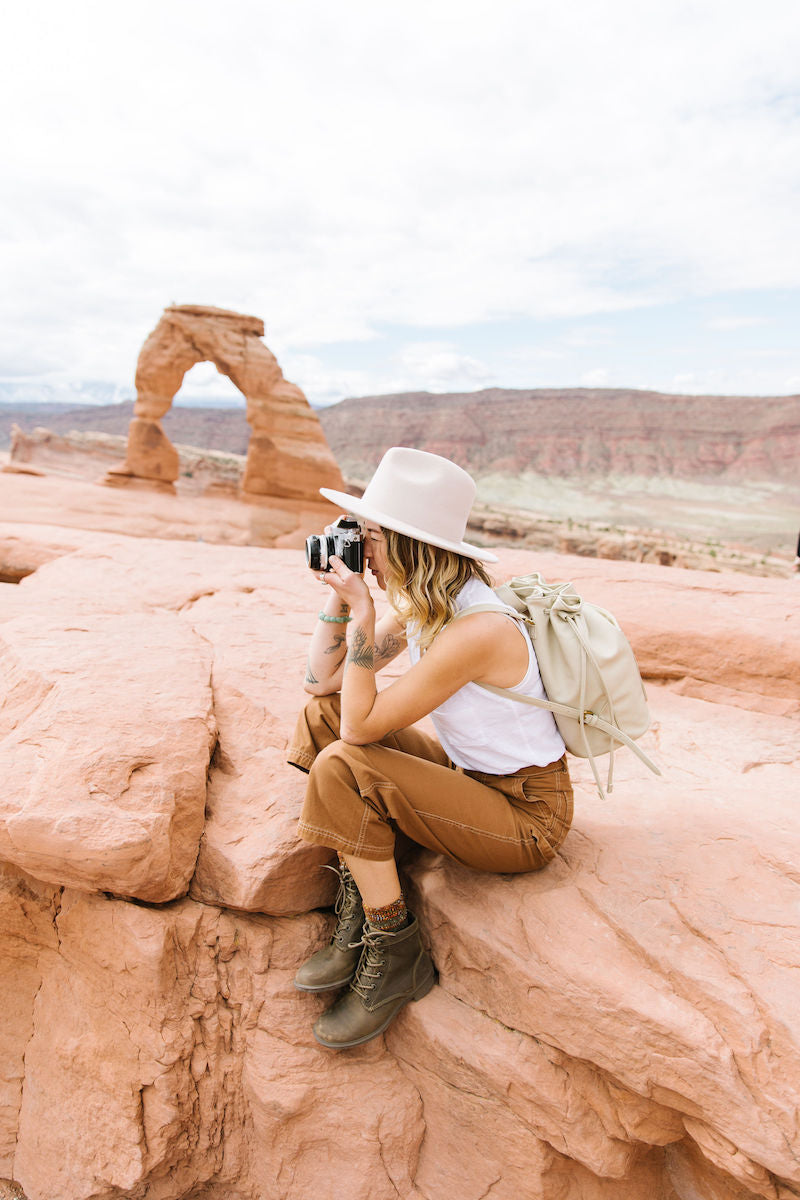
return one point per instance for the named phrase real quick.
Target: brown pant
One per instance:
(358, 795)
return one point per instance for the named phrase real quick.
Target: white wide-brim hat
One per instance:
(422, 495)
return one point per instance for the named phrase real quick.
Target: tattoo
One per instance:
(361, 654)
(338, 638)
(310, 677)
(389, 647)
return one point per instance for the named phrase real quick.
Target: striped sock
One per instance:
(388, 918)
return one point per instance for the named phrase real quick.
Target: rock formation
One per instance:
(622, 1026)
(576, 432)
(626, 472)
(204, 507)
(207, 474)
(287, 455)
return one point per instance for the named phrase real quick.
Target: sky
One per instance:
(443, 195)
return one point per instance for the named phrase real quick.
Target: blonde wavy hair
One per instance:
(422, 582)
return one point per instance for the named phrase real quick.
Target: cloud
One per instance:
(731, 324)
(598, 378)
(204, 380)
(725, 382)
(438, 367)
(322, 383)
(588, 336)
(336, 170)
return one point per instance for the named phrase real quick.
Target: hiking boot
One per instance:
(394, 968)
(334, 965)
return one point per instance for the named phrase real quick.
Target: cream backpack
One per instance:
(588, 669)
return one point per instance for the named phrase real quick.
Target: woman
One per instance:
(493, 792)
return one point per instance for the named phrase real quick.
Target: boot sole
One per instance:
(422, 989)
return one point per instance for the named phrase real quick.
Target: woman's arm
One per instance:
(484, 647)
(461, 653)
(328, 649)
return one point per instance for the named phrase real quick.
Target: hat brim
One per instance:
(367, 512)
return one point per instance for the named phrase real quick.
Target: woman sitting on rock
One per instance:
(492, 793)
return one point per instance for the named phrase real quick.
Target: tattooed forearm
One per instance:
(389, 647)
(310, 676)
(338, 639)
(361, 652)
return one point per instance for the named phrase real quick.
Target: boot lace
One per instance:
(348, 899)
(370, 966)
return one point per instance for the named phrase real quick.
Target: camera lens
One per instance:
(319, 548)
(314, 552)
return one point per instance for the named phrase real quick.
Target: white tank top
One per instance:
(482, 731)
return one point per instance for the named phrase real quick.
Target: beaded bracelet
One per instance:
(333, 620)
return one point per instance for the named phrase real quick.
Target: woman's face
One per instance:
(375, 552)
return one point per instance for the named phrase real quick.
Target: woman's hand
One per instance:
(350, 587)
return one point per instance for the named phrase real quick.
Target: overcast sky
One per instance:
(443, 195)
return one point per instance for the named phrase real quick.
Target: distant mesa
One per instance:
(287, 456)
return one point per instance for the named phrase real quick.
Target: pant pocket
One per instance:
(549, 802)
(541, 815)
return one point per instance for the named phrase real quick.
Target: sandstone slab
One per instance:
(250, 857)
(133, 1045)
(179, 1058)
(623, 1025)
(27, 912)
(183, 515)
(253, 614)
(660, 916)
(106, 726)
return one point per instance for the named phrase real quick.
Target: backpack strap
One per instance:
(583, 718)
(487, 606)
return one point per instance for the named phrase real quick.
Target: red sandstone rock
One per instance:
(660, 918)
(20, 469)
(621, 1026)
(74, 505)
(74, 454)
(105, 785)
(27, 909)
(576, 431)
(288, 455)
(149, 454)
(253, 613)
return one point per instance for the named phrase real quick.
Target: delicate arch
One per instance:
(287, 455)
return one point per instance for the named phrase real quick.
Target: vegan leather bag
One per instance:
(588, 669)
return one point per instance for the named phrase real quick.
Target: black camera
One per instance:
(346, 540)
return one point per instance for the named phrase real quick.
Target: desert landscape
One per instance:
(703, 482)
(623, 1025)
(249, 249)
